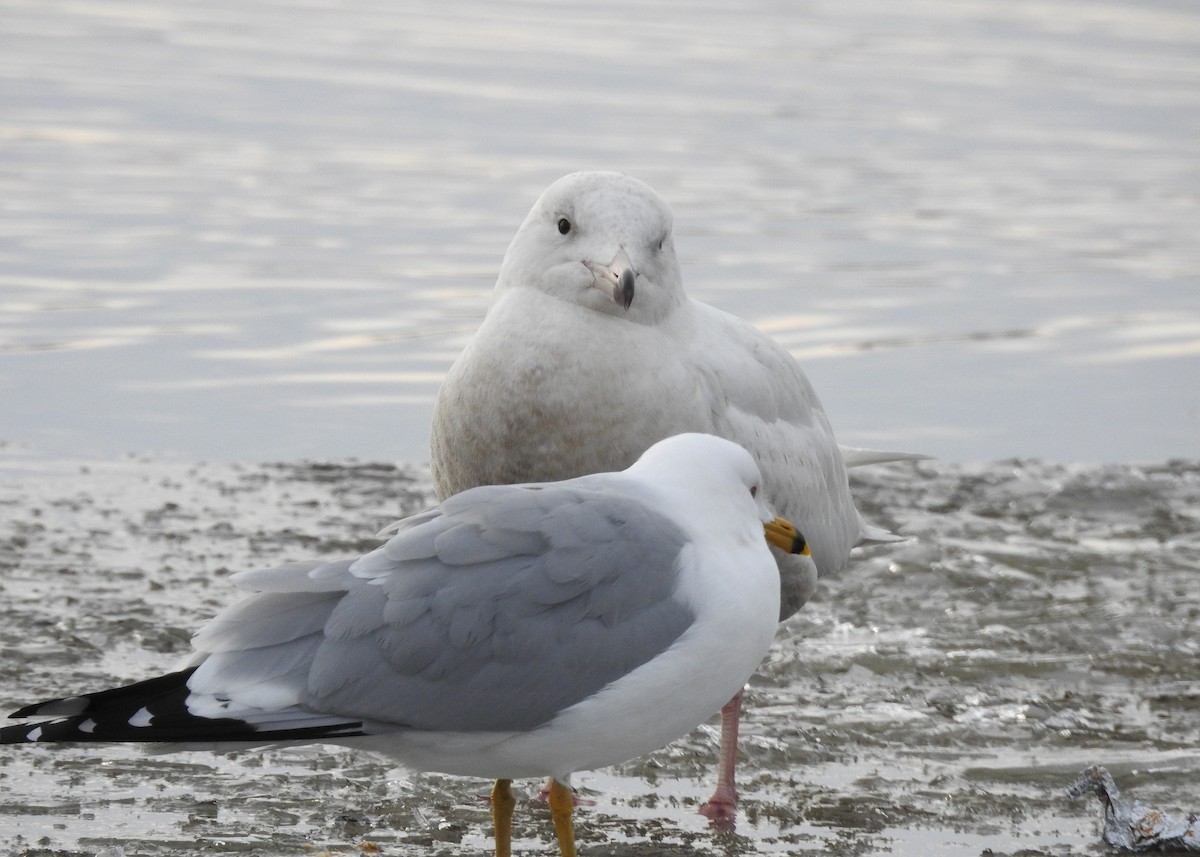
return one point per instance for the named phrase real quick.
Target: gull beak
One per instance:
(615, 279)
(783, 535)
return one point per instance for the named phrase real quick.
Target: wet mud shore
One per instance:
(937, 697)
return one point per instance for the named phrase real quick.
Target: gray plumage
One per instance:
(462, 604)
(531, 630)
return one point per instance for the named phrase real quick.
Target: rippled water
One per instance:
(262, 230)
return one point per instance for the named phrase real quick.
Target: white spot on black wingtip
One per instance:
(157, 709)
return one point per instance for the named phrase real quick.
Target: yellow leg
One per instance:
(562, 804)
(502, 813)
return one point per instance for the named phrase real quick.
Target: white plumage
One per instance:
(525, 630)
(591, 352)
(562, 379)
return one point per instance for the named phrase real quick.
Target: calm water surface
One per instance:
(259, 230)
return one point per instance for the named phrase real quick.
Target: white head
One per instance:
(719, 486)
(601, 240)
(707, 468)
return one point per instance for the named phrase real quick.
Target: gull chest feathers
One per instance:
(558, 406)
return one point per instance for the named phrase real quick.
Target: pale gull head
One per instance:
(602, 240)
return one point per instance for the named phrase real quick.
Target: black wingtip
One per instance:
(154, 710)
(101, 716)
(65, 707)
(138, 692)
(27, 733)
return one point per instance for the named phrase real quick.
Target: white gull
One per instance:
(513, 631)
(591, 351)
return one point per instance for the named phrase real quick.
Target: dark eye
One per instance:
(564, 226)
(753, 490)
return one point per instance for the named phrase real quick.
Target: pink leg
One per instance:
(721, 808)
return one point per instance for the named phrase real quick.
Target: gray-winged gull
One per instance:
(513, 631)
(591, 351)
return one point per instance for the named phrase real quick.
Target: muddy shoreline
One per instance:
(938, 696)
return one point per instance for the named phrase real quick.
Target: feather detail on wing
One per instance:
(477, 600)
(159, 709)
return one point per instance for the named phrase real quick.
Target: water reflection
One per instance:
(271, 234)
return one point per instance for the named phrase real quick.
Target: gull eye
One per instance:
(564, 226)
(753, 490)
